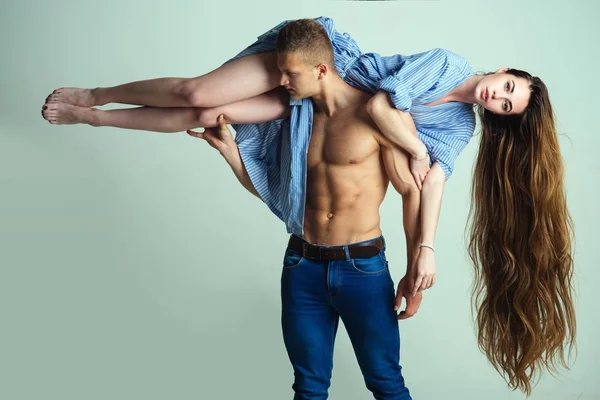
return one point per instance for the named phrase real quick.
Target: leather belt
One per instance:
(366, 249)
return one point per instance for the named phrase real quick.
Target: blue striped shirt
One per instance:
(274, 153)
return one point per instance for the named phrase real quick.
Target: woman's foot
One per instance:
(73, 96)
(65, 114)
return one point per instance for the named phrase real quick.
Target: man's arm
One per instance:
(221, 138)
(237, 166)
(396, 165)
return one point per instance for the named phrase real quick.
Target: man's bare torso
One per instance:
(346, 181)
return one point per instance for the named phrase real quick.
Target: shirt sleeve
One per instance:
(414, 76)
(444, 146)
(445, 155)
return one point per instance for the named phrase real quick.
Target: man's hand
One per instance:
(424, 276)
(419, 167)
(219, 138)
(412, 302)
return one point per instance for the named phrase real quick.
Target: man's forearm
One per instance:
(431, 203)
(411, 210)
(395, 125)
(396, 164)
(237, 166)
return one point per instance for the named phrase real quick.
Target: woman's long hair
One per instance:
(521, 243)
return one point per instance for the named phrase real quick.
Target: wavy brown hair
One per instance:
(521, 243)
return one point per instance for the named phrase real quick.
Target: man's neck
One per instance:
(335, 95)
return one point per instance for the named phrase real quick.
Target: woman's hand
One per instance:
(419, 168)
(424, 276)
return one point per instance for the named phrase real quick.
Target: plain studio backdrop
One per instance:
(135, 266)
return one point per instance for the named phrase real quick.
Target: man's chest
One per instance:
(344, 139)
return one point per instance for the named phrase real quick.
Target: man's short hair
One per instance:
(308, 38)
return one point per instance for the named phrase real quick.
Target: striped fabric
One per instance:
(274, 153)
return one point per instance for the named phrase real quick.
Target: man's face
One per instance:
(299, 78)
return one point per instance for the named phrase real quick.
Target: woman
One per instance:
(520, 237)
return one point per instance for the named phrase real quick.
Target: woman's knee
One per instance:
(207, 117)
(190, 90)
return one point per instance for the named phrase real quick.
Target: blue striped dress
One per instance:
(274, 153)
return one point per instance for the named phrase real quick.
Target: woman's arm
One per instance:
(399, 128)
(394, 126)
(431, 203)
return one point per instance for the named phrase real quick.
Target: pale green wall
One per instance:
(134, 266)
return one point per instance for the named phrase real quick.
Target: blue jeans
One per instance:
(314, 296)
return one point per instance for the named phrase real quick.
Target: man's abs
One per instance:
(346, 180)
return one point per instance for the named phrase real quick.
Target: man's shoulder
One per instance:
(356, 111)
(356, 118)
(358, 103)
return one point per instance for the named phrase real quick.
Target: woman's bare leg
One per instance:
(265, 107)
(237, 80)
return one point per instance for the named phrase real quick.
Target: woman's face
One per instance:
(502, 93)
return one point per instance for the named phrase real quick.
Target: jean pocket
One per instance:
(292, 259)
(371, 265)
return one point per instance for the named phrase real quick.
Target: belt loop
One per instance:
(347, 252)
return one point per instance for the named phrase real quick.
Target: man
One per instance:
(337, 268)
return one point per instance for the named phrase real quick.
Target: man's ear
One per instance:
(502, 70)
(322, 71)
